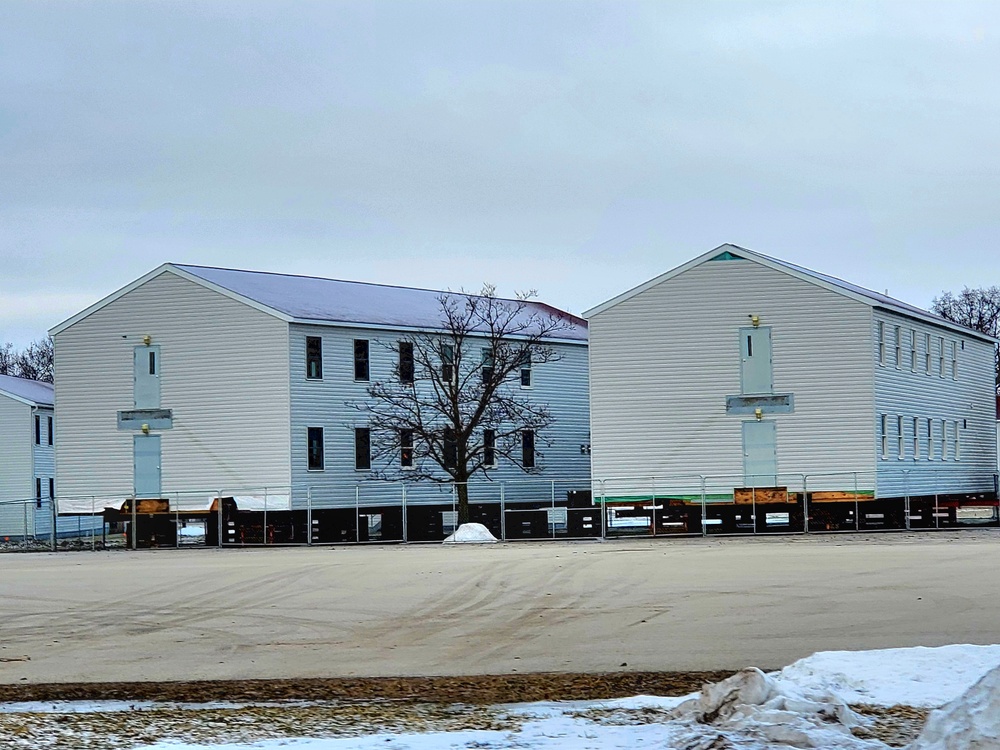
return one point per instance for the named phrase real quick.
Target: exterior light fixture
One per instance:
(147, 339)
(755, 321)
(759, 413)
(145, 427)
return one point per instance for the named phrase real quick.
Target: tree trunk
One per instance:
(463, 502)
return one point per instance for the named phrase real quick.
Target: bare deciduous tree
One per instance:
(34, 362)
(455, 407)
(975, 308)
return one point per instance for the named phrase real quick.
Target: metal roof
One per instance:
(310, 299)
(830, 282)
(30, 391)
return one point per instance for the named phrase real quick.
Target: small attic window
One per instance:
(727, 256)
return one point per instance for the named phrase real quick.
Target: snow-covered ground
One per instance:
(805, 705)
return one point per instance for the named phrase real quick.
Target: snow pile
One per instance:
(924, 677)
(471, 533)
(753, 707)
(971, 722)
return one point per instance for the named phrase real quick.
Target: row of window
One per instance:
(919, 437)
(405, 367)
(905, 350)
(316, 453)
(39, 432)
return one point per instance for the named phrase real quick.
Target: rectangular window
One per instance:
(927, 353)
(50, 421)
(362, 448)
(528, 449)
(406, 369)
(958, 440)
(899, 346)
(881, 343)
(916, 438)
(525, 365)
(152, 362)
(883, 435)
(930, 439)
(38, 430)
(447, 363)
(38, 491)
(489, 363)
(314, 358)
(900, 448)
(449, 448)
(489, 448)
(314, 449)
(52, 488)
(941, 356)
(361, 359)
(954, 360)
(944, 440)
(913, 350)
(406, 448)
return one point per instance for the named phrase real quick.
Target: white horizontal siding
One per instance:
(663, 362)
(224, 373)
(16, 479)
(969, 399)
(325, 403)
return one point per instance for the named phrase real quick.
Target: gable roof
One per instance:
(31, 392)
(844, 288)
(310, 299)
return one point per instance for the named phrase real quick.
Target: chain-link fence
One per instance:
(527, 509)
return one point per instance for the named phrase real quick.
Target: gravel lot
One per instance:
(650, 605)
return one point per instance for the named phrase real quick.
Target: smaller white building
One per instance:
(27, 467)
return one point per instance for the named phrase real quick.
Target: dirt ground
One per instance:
(506, 609)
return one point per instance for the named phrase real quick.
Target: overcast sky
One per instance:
(573, 147)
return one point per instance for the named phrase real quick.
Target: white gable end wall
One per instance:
(16, 481)
(663, 362)
(224, 373)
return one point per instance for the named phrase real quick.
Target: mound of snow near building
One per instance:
(970, 722)
(471, 533)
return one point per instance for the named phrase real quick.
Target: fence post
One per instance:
(652, 492)
(857, 509)
(604, 519)
(704, 508)
(177, 522)
(503, 512)
(218, 499)
(906, 499)
(753, 500)
(405, 528)
(805, 502)
(55, 520)
(309, 516)
(134, 517)
(552, 514)
(263, 531)
(93, 513)
(357, 513)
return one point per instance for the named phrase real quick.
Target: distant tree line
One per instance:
(974, 308)
(34, 362)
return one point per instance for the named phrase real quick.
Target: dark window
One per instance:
(152, 362)
(447, 363)
(525, 365)
(528, 449)
(361, 359)
(52, 488)
(50, 430)
(406, 448)
(38, 492)
(489, 448)
(450, 449)
(314, 358)
(38, 430)
(362, 447)
(489, 362)
(405, 361)
(315, 450)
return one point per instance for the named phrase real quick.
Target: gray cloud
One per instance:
(578, 148)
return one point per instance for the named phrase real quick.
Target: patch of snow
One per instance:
(920, 676)
(471, 533)
(970, 722)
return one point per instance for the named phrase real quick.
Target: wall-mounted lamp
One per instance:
(758, 413)
(147, 339)
(755, 320)
(145, 428)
